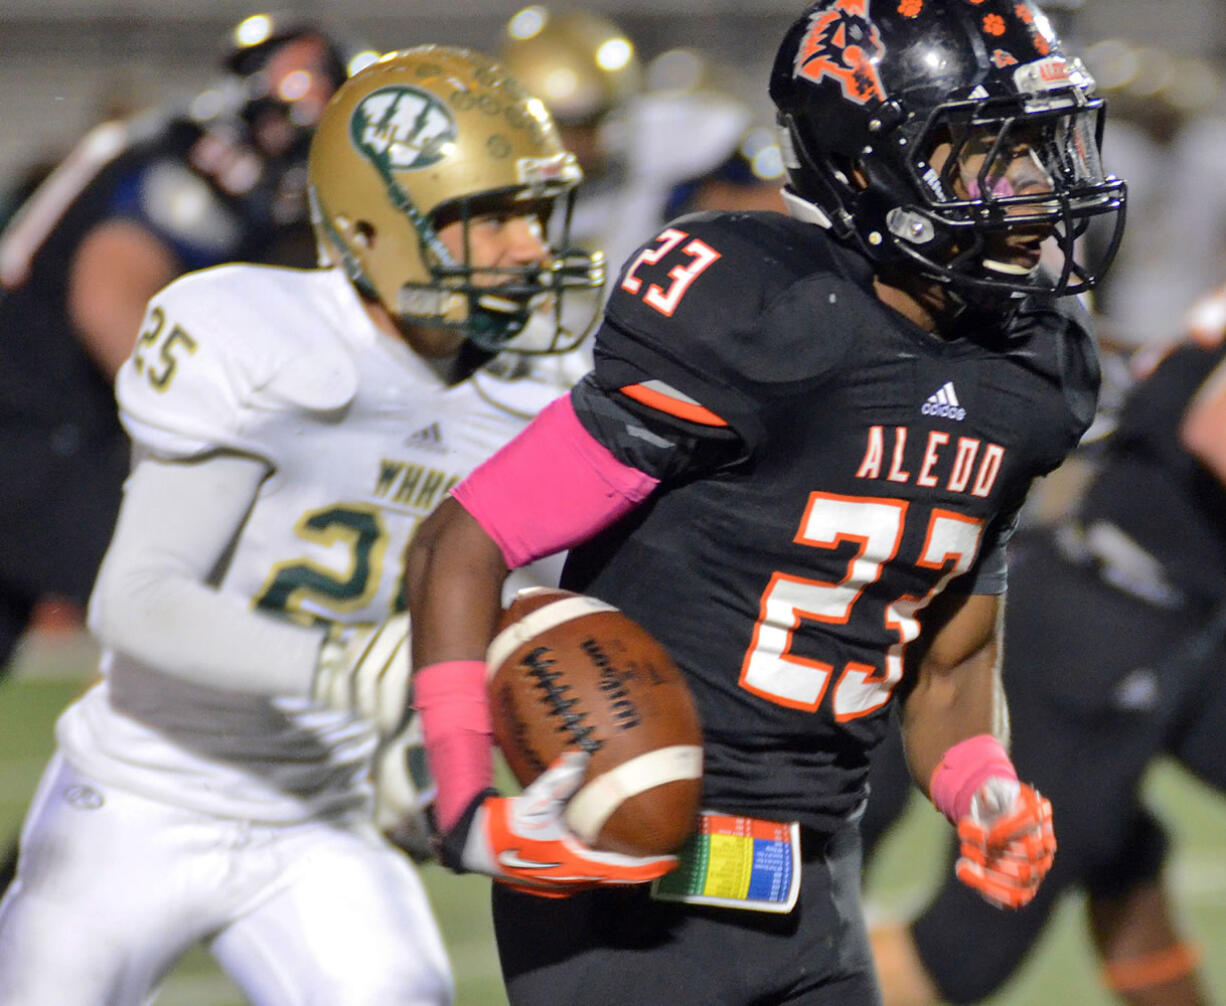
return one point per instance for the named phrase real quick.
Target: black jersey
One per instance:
(1155, 491)
(829, 467)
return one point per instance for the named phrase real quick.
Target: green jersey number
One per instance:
(306, 590)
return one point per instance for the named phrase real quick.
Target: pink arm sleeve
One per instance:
(964, 768)
(455, 718)
(551, 487)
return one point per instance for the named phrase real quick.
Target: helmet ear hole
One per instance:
(364, 234)
(850, 172)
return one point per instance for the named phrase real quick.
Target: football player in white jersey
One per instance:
(291, 427)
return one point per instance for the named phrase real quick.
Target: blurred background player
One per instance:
(585, 69)
(1116, 643)
(638, 129)
(1166, 124)
(750, 178)
(139, 201)
(291, 427)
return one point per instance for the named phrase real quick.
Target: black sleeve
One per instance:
(714, 321)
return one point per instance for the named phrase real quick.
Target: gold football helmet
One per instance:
(425, 137)
(580, 64)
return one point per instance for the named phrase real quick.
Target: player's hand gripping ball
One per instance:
(569, 672)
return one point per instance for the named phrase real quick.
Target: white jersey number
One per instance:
(770, 668)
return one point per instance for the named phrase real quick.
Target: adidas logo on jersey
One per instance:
(427, 436)
(944, 403)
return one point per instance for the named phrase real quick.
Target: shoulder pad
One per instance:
(1055, 336)
(751, 296)
(727, 310)
(720, 271)
(690, 274)
(225, 350)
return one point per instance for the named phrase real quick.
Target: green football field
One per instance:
(1060, 970)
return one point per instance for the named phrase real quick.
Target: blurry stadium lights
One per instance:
(1195, 87)
(360, 61)
(1113, 62)
(527, 23)
(676, 70)
(1156, 69)
(560, 82)
(761, 152)
(252, 30)
(208, 104)
(614, 54)
(295, 85)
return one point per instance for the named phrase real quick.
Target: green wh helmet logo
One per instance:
(402, 128)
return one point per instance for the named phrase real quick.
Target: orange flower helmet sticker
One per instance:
(843, 43)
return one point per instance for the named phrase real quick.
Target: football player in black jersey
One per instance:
(136, 203)
(797, 461)
(1116, 635)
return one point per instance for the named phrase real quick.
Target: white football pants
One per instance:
(113, 888)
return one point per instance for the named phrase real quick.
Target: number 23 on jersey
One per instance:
(699, 257)
(875, 526)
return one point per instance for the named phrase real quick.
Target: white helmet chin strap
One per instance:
(803, 210)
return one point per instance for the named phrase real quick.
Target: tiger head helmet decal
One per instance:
(843, 43)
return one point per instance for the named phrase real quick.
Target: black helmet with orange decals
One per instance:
(930, 134)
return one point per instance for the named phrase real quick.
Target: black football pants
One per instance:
(614, 947)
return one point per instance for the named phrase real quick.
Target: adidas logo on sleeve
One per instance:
(944, 403)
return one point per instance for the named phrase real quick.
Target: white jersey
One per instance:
(363, 439)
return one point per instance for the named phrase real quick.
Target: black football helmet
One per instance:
(867, 91)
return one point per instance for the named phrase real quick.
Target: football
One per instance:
(569, 671)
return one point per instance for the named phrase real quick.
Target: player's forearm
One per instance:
(957, 694)
(117, 268)
(186, 630)
(151, 601)
(454, 577)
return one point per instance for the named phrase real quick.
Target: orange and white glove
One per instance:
(1004, 825)
(523, 841)
(1007, 842)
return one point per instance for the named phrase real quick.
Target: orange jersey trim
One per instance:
(690, 411)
